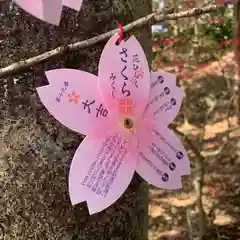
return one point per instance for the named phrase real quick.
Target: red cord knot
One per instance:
(121, 34)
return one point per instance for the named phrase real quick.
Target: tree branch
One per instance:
(198, 182)
(153, 18)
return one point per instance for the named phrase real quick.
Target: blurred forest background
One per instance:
(199, 50)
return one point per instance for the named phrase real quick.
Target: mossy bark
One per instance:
(36, 150)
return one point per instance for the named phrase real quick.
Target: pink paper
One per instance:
(155, 175)
(47, 10)
(121, 138)
(124, 74)
(72, 97)
(74, 4)
(164, 154)
(165, 97)
(100, 172)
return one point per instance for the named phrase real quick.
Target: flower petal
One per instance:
(164, 154)
(100, 172)
(156, 176)
(46, 10)
(165, 97)
(124, 75)
(87, 112)
(74, 4)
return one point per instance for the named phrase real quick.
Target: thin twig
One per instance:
(189, 142)
(153, 18)
(199, 180)
(198, 183)
(190, 229)
(203, 129)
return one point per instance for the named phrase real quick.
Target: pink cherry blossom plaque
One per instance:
(125, 112)
(48, 10)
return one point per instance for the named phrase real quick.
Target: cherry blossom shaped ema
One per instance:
(48, 10)
(124, 113)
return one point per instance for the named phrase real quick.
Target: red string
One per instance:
(121, 34)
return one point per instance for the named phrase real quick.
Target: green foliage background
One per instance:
(200, 36)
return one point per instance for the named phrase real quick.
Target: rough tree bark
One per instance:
(36, 150)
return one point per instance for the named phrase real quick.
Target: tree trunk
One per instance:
(36, 150)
